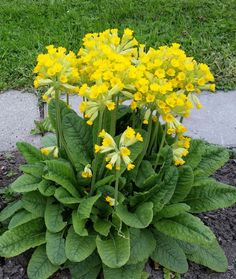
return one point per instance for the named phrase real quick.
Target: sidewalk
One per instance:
(215, 122)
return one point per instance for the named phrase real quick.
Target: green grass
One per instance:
(205, 28)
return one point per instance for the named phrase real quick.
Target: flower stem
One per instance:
(95, 162)
(58, 120)
(116, 187)
(146, 143)
(154, 137)
(67, 99)
(161, 145)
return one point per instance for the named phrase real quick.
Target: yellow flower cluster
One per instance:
(117, 154)
(167, 83)
(57, 70)
(180, 149)
(106, 69)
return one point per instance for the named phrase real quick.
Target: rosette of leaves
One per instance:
(68, 227)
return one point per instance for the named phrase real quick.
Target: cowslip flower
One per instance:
(180, 150)
(87, 173)
(117, 154)
(110, 200)
(57, 70)
(52, 150)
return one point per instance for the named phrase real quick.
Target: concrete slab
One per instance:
(216, 121)
(18, 111)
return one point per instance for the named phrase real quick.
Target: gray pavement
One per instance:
(17, 114)
(215, 122)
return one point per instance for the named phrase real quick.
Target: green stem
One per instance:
(154, 137)
(113, 119)
(95, 163)
(58, 120)
(67, 99)
(181, 119)
(161, 145)
(146, 143)
(116, 187)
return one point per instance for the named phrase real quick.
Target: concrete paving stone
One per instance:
(216, 121)
(18, 111)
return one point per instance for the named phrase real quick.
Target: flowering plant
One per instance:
(119, 185)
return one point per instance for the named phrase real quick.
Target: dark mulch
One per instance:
(222, 222)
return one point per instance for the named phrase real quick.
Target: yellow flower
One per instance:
(124, 151)
(189, 87)
(150, 98)
(160, 73)
(87, 173)
(110, 105)
(130, 166)
(97, 148)
(110, 200)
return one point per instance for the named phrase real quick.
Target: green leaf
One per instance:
(141, 218)
(133, 271)
(53, 217)
(197, 148)
(78, 248)
(30, 153)
(10, 209)
(145, 171)
(186, 227)
(35, 169)
(184, 184)
(142, 244)
(102, 226)
(21, 217)
(65, 197)
(212, 257)
(210, 195)
(39, 265)
(62, 173)
(107, 180)
(25, 183)
(49, 140)
(17, 240)
(34, 202)
(166, 190)
(77, 135)
(87, 269)
(213, 158)
(79, 224)
(171, 210)
(46, 188)
(169, 254)
(55, 248)
(52, 111)
(114, 252)
(140, 197)
(86, 205)
(166, 154)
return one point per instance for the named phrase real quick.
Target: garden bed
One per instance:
(222, 222)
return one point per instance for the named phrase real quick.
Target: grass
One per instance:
(205, 28)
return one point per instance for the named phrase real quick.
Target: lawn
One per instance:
(204, 28)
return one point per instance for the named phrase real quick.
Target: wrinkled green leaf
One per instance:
(53, 217)
(10, 209)
(39, 265)
(142, 244)
(184, 184)
(21, 217)
(79, 224)
(169, 254)
(210, 195)
(114, 251)
(34, 202)
(140, 218)
(171, 210)
(25, 183)
(55, 248)
(30, 153)
(65, 197)
(197, 148)
(78, 248)
(19, 239)
(186, 227)
(86, 205)
(102, 226)
(46, 188)
(212, 159)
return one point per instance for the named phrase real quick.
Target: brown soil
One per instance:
(222, 222)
